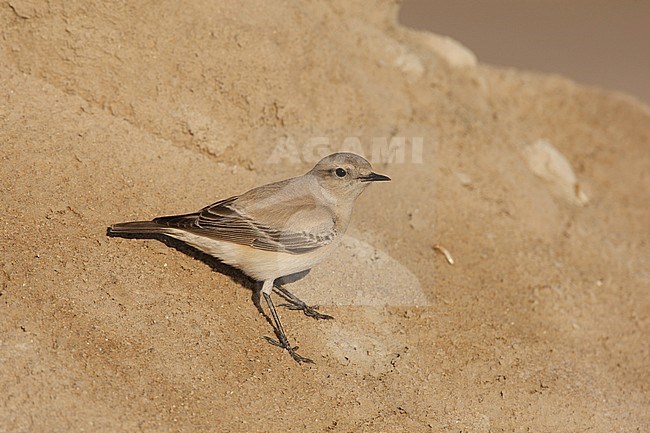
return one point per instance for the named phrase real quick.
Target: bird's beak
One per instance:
(374, 177)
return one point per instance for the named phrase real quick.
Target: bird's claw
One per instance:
(284, 343)
(309, 311)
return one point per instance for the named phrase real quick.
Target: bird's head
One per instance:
(345, 175)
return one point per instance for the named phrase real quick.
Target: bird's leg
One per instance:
(279, 332)
(296, 303)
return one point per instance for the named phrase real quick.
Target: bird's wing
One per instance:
(295, 226)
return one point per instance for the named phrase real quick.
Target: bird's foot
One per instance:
(295, 303)
(284, 343)
(282, 340)
(311, 311)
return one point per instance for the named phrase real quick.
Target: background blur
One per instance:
(599, 42)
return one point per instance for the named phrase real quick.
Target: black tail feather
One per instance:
(135, 228)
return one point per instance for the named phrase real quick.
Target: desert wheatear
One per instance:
(274, 230)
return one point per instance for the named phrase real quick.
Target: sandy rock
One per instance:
(546, 161)
(454, 53)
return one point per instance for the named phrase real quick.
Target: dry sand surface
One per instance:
(539, 187)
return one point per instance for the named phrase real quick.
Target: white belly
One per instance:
(258, 264)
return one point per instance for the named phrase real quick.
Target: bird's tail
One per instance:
(135, 228)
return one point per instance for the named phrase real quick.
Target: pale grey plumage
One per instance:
(273, 230)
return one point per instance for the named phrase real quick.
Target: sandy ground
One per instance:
(539, 188)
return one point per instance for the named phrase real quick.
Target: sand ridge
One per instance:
(113, 112)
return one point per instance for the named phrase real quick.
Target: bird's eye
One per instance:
(341, 172)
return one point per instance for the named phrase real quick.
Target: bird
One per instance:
(274, 230)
